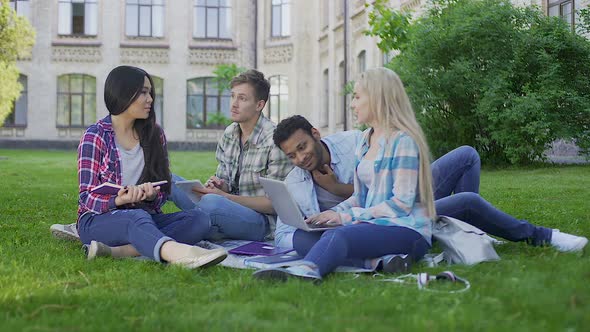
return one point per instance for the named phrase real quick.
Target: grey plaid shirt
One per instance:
(261, 158)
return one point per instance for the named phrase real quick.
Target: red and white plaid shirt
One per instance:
(99, 162)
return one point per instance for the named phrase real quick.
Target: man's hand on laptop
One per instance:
(326, 218)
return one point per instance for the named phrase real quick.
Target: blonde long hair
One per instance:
(390, 106)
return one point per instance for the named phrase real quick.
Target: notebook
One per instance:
(286, 207)
(259, 249)
(108, 188)
(264, 262)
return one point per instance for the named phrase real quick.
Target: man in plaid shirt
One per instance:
(233, 197)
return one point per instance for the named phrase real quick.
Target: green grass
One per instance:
(46, 284)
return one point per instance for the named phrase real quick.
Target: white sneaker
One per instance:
(96, 249)
(566, 242)
(200, 257)
(65, 232)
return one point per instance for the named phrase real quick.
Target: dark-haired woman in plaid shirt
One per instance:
(128, 148)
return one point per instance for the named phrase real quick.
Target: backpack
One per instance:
(463, 243)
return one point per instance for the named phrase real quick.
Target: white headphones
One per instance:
(424, 278)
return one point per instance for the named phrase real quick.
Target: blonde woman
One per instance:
(392, 206)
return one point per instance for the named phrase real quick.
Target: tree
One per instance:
(224, 73)
(16, 40)
(505, 79)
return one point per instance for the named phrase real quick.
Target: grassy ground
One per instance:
(46, 284)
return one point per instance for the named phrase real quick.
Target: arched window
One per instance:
(206, 106)
(159, 102)
(18, 116)
(212, 19)
(76, 100)
(361, 62)
(278, 103)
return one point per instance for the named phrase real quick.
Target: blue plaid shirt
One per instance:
(393, 199)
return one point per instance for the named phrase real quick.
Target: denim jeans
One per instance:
(146, 233)
(339, 246)
(457, 172)
(473, 209)
(228, 218)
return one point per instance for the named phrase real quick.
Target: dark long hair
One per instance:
(122, 87)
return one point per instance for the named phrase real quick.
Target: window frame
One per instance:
(226, 5)
(279, 83)
(139, 5)
(361, 61)
(559, 4)
(83, 94)
(219, 96)
(159, 101)
(10, 120)
(70, 18)
(14, 4)
(280, 5)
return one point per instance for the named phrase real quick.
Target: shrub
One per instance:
(504, 79)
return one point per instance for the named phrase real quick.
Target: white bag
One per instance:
(463, 243)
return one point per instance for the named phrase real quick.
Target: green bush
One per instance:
(504, 79)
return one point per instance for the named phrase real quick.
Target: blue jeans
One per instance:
(339, 246)
(145, 232)
(457, 172)
(228, 218)
(474, 210)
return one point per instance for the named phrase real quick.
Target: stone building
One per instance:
(308, 48)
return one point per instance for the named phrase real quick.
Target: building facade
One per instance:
(308, 49)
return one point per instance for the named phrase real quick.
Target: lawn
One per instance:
(46, 284)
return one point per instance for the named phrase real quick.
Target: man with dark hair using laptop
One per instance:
(324, 173)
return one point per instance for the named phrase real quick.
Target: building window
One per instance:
(77, 17)
(281, 18)
(206, 105)
(324, 117)
(562, 8)
(18, 115)
(159, 100)
(341, 97)
(21, 7)
(212, 19)
(144, 18)
(278, 103)
(361, 62)
(76, 100)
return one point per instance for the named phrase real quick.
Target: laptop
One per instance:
(286, 207)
